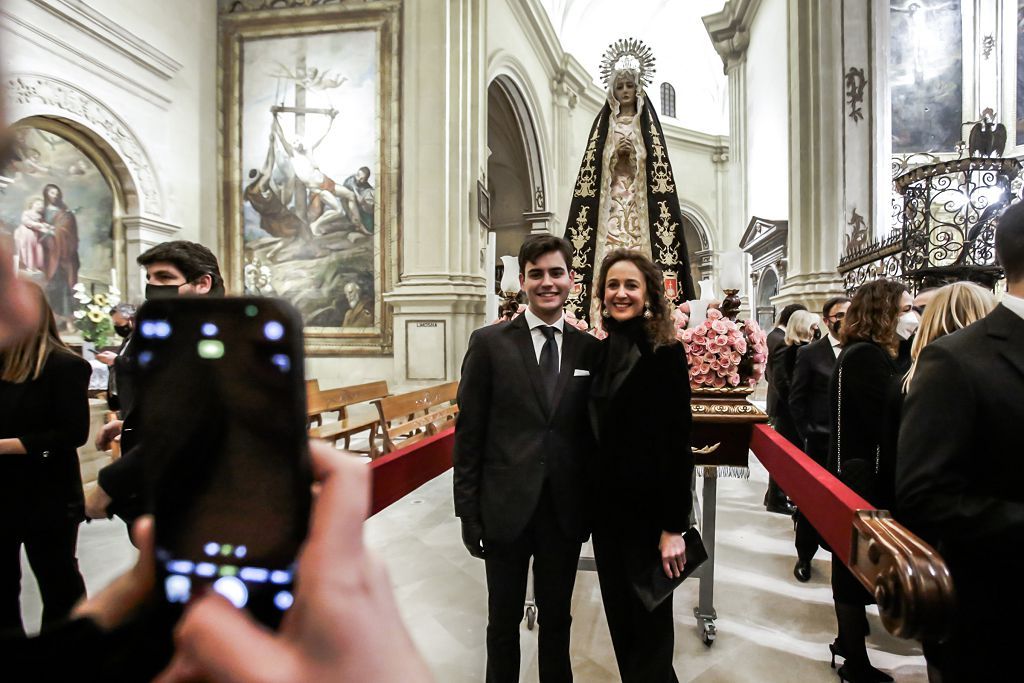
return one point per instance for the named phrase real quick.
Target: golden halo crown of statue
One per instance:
(628, 53)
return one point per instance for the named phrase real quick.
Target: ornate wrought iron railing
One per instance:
(947, 232)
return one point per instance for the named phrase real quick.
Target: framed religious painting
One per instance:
(60, 207)
(309, 142)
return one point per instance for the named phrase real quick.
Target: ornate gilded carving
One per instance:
(578, 238)
(666, 231)
(585, 185)
(661, 174)
(65, 97)
(910, 581)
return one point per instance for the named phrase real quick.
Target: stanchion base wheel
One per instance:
(531, 617)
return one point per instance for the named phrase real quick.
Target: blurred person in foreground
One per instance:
(959, 477)
(44, 417)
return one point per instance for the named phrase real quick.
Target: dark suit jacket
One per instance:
(783, 363)
(808, 396)
(640, 410)
(124, 479)
(50, 415)
(959, 474)
(509, 441)
(775, 339)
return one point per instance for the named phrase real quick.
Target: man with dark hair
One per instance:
(188, 266)
(959, 477)
(775, 500)
(172, 269)
(809, 405)
(522, 442)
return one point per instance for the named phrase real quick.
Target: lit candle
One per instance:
(113, 277)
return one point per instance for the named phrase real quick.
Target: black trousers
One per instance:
(555, 557)
(806, 538)
(51, 549)
(643, 641)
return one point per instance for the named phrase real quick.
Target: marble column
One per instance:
(440, 296)
(816, 106)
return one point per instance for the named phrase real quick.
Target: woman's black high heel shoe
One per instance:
(862, 674)
(836, 651)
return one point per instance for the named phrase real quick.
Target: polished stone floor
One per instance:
(770, 628)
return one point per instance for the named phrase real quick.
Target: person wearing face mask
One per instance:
(906, 328)
(639, 407)
(809, 406)
(123, 317)
(859, 454)
(177, 268)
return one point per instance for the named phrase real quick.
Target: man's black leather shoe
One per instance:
(802, 571)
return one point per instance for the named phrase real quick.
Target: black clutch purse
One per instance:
(649, 581)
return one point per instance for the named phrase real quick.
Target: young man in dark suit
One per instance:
(775, 499)
(809, 405)
(960, 478)
(522, 445)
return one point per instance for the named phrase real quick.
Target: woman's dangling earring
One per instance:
(647, 311)
(604, 313)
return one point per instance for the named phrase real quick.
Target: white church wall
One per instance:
(125, 69)
(767, 114)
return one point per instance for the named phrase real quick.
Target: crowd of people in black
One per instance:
(912, 403)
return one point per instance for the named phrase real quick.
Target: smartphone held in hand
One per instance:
(222, 400)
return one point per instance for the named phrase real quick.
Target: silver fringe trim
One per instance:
(723, 472)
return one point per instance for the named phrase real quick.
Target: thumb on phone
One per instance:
(215, 641)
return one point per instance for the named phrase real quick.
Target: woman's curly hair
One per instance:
(873, 314)
(660, 329)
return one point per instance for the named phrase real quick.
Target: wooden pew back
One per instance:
(416, 414)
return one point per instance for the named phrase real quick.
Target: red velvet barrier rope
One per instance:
(399, 473)
(824, 500)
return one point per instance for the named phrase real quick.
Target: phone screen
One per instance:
(222, 400)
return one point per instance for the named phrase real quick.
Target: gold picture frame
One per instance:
(310, 213)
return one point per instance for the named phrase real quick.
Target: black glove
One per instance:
(472, 537)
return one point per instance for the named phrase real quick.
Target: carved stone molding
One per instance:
(44, 95)
(729, 30)
(237, 6)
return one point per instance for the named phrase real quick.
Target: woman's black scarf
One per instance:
(668, 243)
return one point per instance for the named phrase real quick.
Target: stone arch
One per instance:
(35, 95)
(768, 283)
(508, 76)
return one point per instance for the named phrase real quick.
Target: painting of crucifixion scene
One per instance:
(310, 148)
(56, 215)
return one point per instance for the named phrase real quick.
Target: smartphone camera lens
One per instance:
(160, 329)
(282, 362)
(273, 330)
(178, 588)
(283, 600)
(209, 330)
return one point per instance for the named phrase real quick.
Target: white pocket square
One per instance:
(581, 373)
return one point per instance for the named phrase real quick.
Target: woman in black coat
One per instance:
(44, 418)
(861, 452)
(640, 409)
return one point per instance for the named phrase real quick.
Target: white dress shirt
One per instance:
(535, 324)
(836, 346)
(1014, 303)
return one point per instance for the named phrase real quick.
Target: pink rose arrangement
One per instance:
(722, 353)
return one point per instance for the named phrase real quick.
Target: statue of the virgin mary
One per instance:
(625, 194)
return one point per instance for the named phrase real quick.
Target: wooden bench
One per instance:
(338, 401)
(410, 417)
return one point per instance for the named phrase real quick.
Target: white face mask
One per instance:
(907, 325)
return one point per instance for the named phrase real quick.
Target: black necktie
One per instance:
(549, 360)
